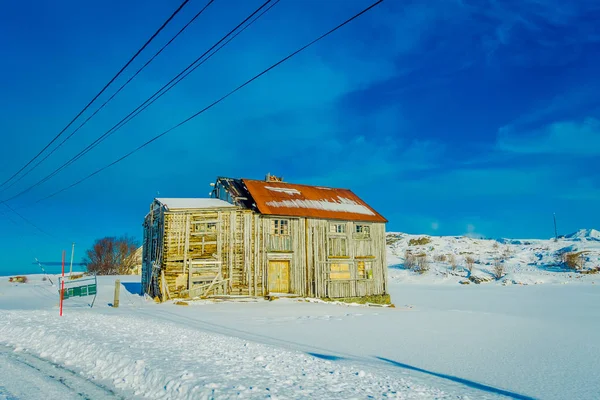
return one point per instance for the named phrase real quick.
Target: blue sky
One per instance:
(448, 117)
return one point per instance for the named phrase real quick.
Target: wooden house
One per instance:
(259, 238)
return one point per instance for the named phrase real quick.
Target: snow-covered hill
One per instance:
(585, 234)
(572, 258)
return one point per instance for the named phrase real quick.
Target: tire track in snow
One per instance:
(26, 376)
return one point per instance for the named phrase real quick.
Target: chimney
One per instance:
(273, 178)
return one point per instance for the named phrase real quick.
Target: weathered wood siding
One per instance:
(152, 248)
(227, 251)
(344, 279)
(312, 249)
(202, 252)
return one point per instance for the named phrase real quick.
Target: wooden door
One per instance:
(279, 276)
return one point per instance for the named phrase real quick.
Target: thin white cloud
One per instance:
(565, 137)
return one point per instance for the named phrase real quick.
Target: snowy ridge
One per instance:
(524, 261)
(585, 234)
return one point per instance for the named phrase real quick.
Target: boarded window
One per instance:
(364, 270)
(337, 247)
(362, 232)
(280, 227)
(339, 272)
(337, 228)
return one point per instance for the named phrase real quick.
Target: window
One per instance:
(205, 227)
(339, 271)
(364, 270)
(337, 247)
(280, 227)
(362, 232)
(337, 228)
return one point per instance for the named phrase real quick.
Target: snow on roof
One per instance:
(288, 199)
(344, 205)
(289, 191)
(173, 203)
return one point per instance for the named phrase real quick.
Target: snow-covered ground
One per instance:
(442, 340)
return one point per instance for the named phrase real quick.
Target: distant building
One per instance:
(136, 269)
(258, 238)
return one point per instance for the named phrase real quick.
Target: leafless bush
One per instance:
(573, 260)
(452, 261)
(409, 259)
(495, 245)
(498, 268)
(111, 256)
(422, 264)
(469, 262)
(439, 258)
(419, 242)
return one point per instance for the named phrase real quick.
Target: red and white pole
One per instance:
(62, 283)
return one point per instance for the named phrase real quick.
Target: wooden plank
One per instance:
(207, 262)
(187, 241)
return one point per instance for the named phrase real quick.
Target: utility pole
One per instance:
(555, 230)
(71, 266)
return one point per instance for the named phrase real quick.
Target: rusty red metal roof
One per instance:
(287, 199)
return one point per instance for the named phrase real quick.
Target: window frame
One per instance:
(362, 231)
(280, 227)
(337, 228)
(367, 269)
(207, 227)
(344, 245)
(340, 271)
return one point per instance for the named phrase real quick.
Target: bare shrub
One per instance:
(469, 262)
(498, 268)
(573, 260)
(422, 264)
(495, 245)
(419, 242)
(409, 259)
(111, 256)
(452, 261)
(390, 239)
(439, 258)
(44, 279)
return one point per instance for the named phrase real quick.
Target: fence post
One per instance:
(117, 290)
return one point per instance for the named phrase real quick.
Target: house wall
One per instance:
(307, 247)
(200, 252)
(152, 248)
(228, 252)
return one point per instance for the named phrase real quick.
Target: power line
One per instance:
(111, 97)
(99, 93)
(25, 219)
(159, 93)
(5, 214)
(215, 102)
